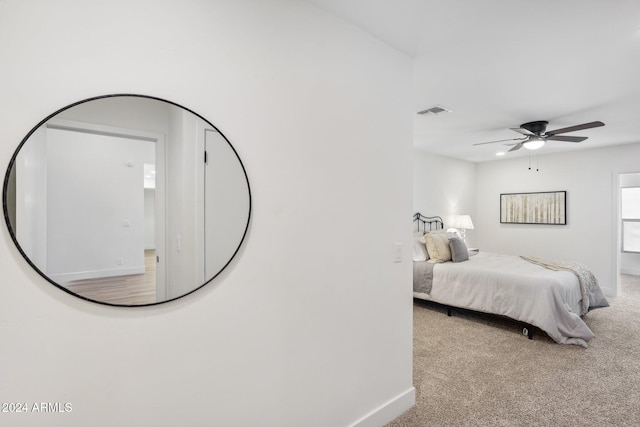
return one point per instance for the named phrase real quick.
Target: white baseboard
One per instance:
(631, 271)
(82, 275)
(389, 411)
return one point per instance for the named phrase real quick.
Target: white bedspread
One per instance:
(510, 286)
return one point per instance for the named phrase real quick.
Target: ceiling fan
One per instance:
(535, 134)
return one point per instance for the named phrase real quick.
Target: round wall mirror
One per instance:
(127, 200)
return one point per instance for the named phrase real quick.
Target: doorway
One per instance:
(96, 199)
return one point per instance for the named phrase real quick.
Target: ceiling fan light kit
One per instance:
(536, 135)
(533, 143)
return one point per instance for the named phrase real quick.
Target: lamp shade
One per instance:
(463, 221)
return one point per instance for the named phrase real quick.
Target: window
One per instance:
(630, 212)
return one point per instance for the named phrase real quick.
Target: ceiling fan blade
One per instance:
(516, 147)
(523, 131)
(501, 140)
(567, 138)
(575, 128)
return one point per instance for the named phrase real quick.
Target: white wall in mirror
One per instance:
(95, 220)
(313, 326)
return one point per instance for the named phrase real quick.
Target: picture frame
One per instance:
(545, 207)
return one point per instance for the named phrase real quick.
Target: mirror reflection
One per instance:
(127, 200)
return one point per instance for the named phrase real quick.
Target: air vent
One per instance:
(436, 109)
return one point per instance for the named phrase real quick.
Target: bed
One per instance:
(543, 294)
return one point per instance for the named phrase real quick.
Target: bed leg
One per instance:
(449, 311)
(528, 332)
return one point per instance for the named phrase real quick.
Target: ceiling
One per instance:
(500, 63)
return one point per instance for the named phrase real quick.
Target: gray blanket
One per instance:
(422, 276)
(592, 296)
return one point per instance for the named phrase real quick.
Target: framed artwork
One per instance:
(534, 208)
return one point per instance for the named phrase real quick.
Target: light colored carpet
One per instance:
(477, 370)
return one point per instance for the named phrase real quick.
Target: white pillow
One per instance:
(437, 247)
(419, 250)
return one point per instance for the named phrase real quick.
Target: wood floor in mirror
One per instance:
(133, 289)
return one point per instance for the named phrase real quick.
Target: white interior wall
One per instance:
(30, 225)
(444, 187)
(149, 218)
(127, 113)
(137, 113)
(180, 276)
(311, 324)
(226, 194)
(95, 209)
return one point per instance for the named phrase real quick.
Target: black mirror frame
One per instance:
(48, 279)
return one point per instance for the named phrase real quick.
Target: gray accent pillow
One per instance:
(458, 249)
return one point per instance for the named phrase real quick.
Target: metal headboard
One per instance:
(429, 223)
